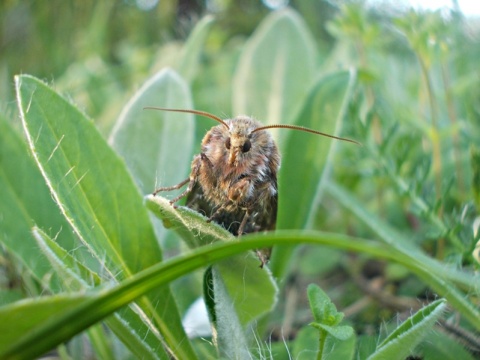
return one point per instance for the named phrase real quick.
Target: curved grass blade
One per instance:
(53, 325)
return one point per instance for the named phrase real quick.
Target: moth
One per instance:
(233, 181)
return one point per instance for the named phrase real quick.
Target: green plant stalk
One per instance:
(108, 300)
(453, 120)
(437, 157)
(321, 344)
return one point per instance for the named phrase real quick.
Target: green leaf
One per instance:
(439, 345)
(138, 335)
(253, 293)
(230, 335)
(437, 275)
(18, 318)
(338, 332)
(269, 84)
(157, 146)
(52, 326)
(49, 321)
(189, 224)
(318, 300)
(323, 111)
(191, 52)
(26, 200)
(403, 340)
(96, 195)
(340, 349)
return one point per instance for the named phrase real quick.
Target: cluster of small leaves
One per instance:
(327, 318)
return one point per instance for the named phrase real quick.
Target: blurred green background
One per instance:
(99, 52)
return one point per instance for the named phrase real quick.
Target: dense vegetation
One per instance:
(387, 231)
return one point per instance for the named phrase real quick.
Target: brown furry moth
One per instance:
(234, 178)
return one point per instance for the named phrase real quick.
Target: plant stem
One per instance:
(453, 120)
(436, 148)
(321, 344)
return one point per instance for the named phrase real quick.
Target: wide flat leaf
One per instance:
(276, 69)
(25, 201)
(157, 146)
(306, 158)
(96, 194)
(230, 335)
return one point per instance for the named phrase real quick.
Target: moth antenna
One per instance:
(196, 112)
(302, 128)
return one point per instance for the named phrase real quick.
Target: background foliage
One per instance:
(398, 215)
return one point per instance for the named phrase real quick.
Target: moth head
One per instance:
(238, 139)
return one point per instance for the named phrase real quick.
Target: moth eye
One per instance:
(246, 146)
(227, 143)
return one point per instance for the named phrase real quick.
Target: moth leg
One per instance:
(243, 223)
(263, 255)
(169, 188)
(191, 182)
(217, 211)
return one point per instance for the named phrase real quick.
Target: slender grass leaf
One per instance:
(400, 343)
(52, 326)
(19, 317)
(388, 235)
(96, 195)
(275, 70)
(26, 200)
